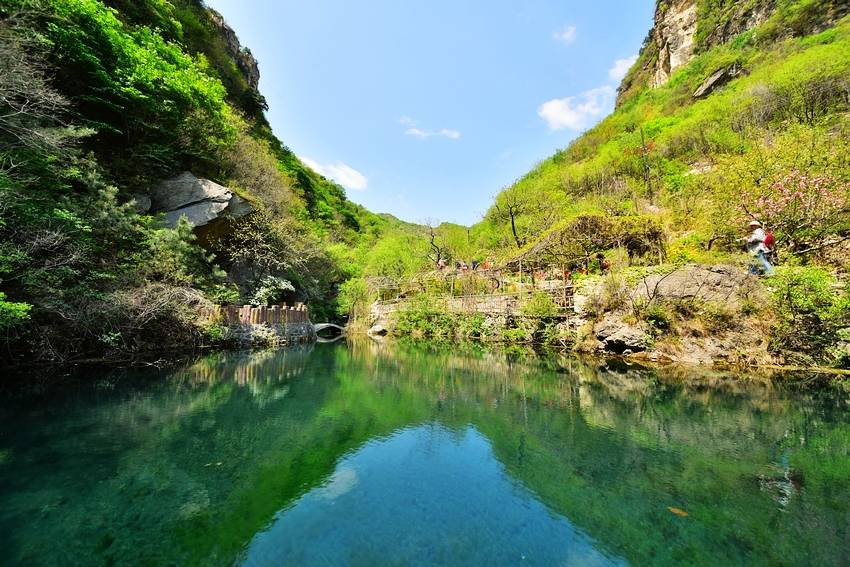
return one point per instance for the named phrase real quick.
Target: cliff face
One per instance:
(679, 32)
(243, 57)
(673, 37)
(686, 28)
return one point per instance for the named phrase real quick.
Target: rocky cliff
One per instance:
(685, 28)
(243, 57)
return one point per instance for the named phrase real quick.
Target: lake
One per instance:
(410, 454)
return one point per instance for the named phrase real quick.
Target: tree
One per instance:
(438, 250)
(806, 211)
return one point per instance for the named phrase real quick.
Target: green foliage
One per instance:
(353, 298)
(12, 313)
(397, 256)
(272, 290)
(540, 305)
(170, 255)
(156, 107)
(813, 310)
(658, 316)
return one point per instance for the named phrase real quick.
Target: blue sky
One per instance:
(426, 109)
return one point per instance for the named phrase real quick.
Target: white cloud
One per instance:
(621, 67)
(576, 112)
(416, 132)
(340, 172)
(567, 35)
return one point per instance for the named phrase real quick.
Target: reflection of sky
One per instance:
(426, 495)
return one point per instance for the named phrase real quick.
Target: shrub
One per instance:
(806, 210)
(12, 313)
(540, 305)
(658, 316)
(717, 317)
(271, 290)
(813, 312)
(611, 294)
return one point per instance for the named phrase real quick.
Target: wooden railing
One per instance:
(261, 314)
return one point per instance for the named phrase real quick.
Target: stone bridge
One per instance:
(319, 327)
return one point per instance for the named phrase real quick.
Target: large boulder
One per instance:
(730, 285)
(616, 336)
(201, 201)
(717, 80)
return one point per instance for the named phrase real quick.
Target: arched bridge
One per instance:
(319, 327)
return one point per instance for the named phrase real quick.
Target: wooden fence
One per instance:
(261, 314)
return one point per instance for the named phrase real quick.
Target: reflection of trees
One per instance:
(225, 443)
(613, 449)
(246, 368)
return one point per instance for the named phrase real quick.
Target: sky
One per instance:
(426, 109)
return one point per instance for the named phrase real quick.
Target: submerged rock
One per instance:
(201, 201)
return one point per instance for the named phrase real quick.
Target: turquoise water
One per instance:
(366, 454)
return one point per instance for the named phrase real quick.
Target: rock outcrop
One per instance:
(679, 32)
(201, 201)
(717, 80)
(725, 288)
(243, 57)
(618, 337)
(674, 33)
(724, 284)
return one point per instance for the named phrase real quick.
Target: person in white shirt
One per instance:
(756, 247)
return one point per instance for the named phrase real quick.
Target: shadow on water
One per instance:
(347, 453)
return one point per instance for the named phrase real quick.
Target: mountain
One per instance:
(120, 117)
(734, 112)
(729, 105)
(117, 118)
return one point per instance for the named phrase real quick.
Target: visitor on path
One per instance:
(604, 265)
(757, 246)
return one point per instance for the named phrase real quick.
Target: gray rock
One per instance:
(721, 283)
(716, 80)
(618, 337)
(142, 203)
(377, 331)
(201, 201)
(198, 214)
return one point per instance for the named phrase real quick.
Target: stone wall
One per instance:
(251, 335)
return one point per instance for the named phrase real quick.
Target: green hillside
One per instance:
(100, 102)
(756, 126)
(699, 167)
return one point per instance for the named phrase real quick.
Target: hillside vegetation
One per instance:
(100, 101)
(674, 175)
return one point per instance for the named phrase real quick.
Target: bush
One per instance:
(12, 313)
(658, 316)
(271, 290)
(813, 312)
(540, 305)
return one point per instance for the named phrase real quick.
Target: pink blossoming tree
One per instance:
(806, 212)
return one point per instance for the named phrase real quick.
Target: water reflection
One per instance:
(429, 496)
(424, 455)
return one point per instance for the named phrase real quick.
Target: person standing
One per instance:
(758, 249)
